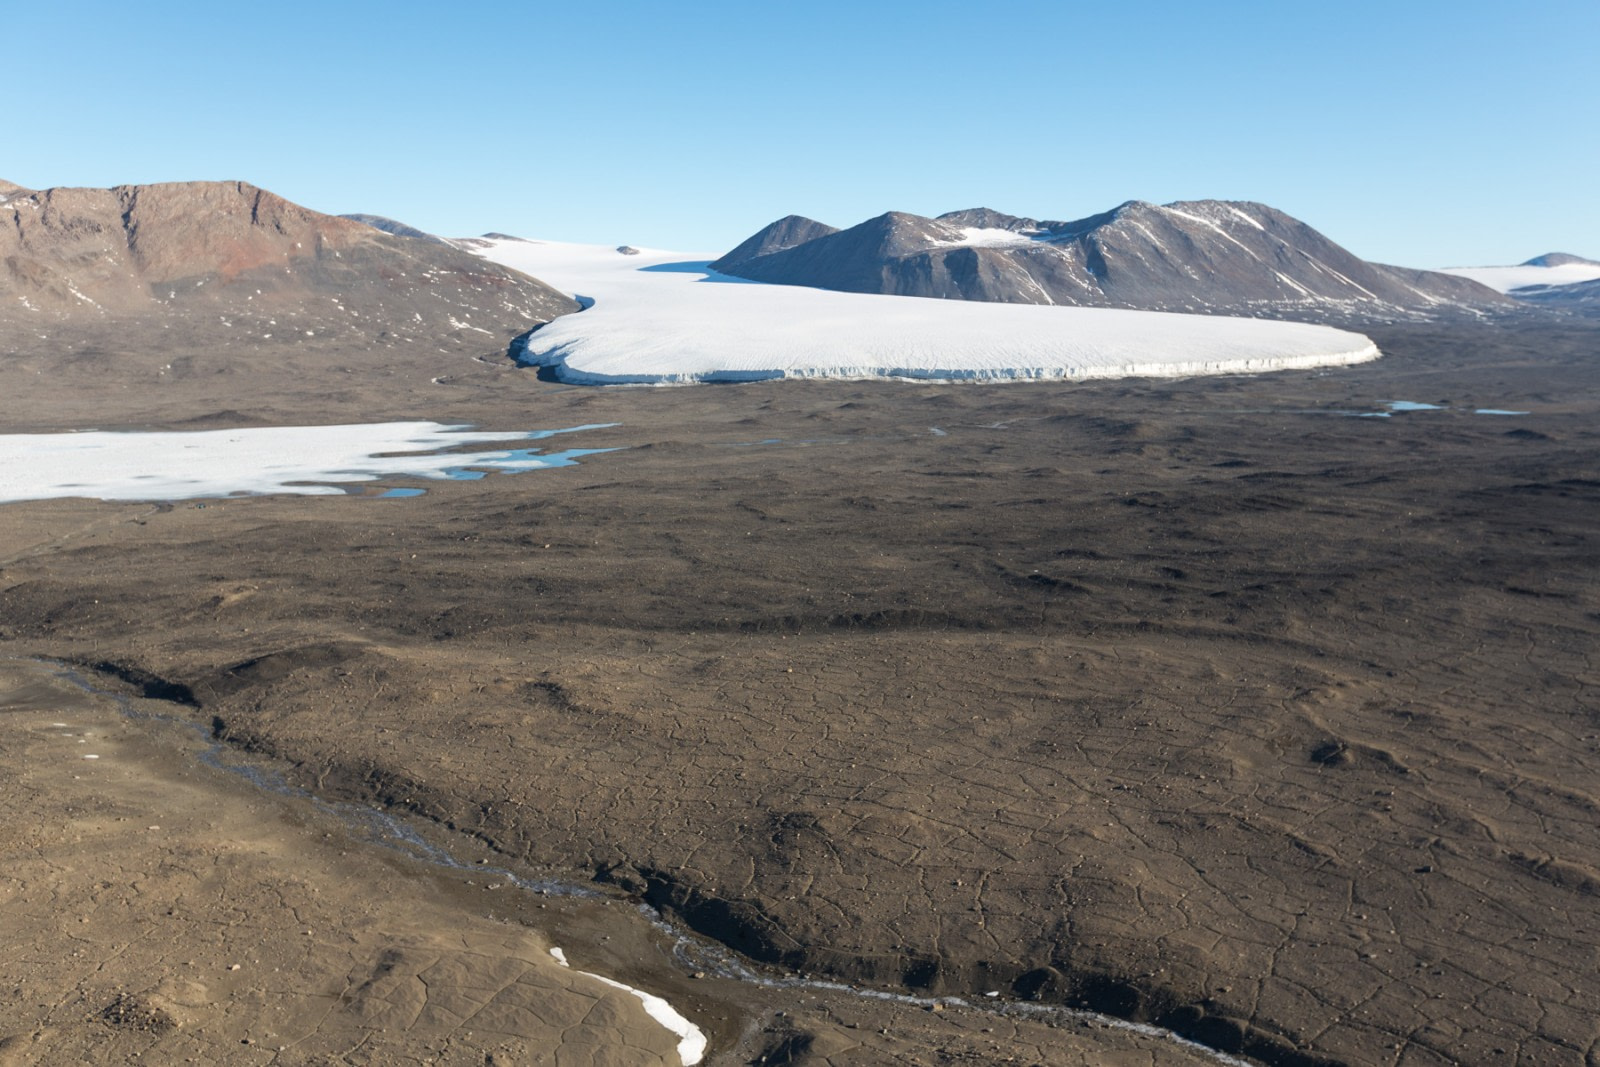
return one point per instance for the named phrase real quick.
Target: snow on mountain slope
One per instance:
(987, 237)
(662, 317)
(1211, 256)
(1507, 279)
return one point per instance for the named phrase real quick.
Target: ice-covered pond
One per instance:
(306, 460)
(1412, 405)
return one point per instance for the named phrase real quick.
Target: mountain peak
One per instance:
(1215, 256)
(1560, 259)
(787, 232)
(984, 218)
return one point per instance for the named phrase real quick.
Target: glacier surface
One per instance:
(662, 318)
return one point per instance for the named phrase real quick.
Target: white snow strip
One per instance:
(213, 463)
(1220, 231)
(1022, 272)
(1142, 228)
(74, 291)
(691, 1040)
(1505, 279)
(1286, 280)
(1243, 216)
(664, 318)
(457, 324)
(1324, 268)
(1424, 297)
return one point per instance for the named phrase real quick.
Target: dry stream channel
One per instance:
(130, 755)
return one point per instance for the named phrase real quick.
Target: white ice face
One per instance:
(282, 459)
(662, 317)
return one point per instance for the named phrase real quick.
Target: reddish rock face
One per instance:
(213, 250)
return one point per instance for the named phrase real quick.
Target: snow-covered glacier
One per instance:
(661, 317)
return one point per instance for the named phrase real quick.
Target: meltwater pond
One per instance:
(305, 460)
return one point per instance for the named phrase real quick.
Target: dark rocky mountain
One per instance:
(989, 219)
(1205, 256)
(394, 226)
(787, 232)
(1580, 297)
(226, 263)
(1559, 259)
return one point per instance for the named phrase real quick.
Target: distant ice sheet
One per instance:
(282, 459)
(1505, 279)
(663, 317)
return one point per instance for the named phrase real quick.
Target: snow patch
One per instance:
(691, 1040)
(1286, 280)
(984, 237)
(457, 324)
(1324, 268)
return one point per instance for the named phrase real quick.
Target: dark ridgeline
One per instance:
(394, 226)
(1203, 255)
(1580, 297)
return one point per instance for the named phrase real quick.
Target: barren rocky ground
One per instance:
(1201, 703)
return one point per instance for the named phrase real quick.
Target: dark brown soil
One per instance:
(1197, 703)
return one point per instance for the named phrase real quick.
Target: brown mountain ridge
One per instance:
(200, 280)
(210, 251)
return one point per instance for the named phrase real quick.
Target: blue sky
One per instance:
(1425, 134)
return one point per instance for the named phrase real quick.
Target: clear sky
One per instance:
(1424, 134)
